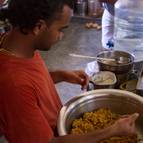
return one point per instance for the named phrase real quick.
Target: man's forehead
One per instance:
(61, 19)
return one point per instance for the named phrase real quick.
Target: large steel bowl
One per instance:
(118, 68)
(118, 101)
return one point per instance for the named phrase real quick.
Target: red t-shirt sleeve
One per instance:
(24, 117)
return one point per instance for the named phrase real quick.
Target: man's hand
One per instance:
(108, 1)
(77, 77)
(125, 126)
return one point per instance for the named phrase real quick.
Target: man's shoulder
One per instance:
(14, 77)
(21, 73)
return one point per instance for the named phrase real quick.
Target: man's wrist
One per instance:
(58, 76)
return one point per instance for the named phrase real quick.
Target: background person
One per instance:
(108, 26)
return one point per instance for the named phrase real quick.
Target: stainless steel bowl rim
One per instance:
(97, 93)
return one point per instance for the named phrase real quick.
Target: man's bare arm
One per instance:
(122, 127)
(94, 137)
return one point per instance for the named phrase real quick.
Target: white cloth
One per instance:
(107, 28)
(91, 68)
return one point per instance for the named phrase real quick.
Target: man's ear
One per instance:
(39, 27)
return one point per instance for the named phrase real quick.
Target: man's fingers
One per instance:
(79, 80)
(124, 116)
(84, 79)
(86, 82)
(134, 116)
(131, 118)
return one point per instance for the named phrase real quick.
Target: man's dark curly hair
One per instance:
(26, 13)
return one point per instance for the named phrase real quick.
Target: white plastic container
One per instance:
(103, 79)
(128, 29)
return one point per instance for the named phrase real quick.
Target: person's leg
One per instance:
(107, 28)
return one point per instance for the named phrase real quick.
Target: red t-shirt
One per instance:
(29, 104)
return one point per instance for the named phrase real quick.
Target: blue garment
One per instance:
(109, 7)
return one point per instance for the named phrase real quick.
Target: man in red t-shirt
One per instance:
(29, 104)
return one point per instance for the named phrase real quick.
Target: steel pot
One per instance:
(117, 68)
